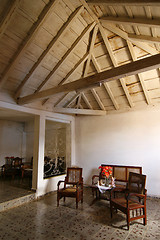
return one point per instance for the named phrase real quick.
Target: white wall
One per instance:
(131, 138)
(12, 140)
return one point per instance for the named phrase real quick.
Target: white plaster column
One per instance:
(38, 154)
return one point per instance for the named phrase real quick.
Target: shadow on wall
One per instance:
(93, 171)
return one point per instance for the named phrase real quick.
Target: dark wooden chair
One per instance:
(133, 204)
(72, 186)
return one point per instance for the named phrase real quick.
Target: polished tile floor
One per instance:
(10, 189)
(43, 220)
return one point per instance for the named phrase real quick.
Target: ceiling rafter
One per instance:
(80, 111)
(144, 38)
(7, 17)
(154, 29)
(146, 94)
(94, 93)
(124, 35)
(132, 21)
(125, 70)
(106, 85)
(69, 74)
(102, 33)
(124, 2)
(53, 42)
(31, 34)
(72, 100)
(122, 80)
(67, 54)
(86, 101)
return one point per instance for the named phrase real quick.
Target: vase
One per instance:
(107, 181)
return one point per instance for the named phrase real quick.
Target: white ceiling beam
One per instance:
(61, 99)
(86, 101)
(98, 100)
(106, 86)
(80, 111)
(53, 42)
(116, 73)
(124, 35)
(79, 101)
(132, 21)
(146, 94)
(7, 16)
(67, 54)
(144, 38)
(30, 36)
(93, 91)
(124, 2)
(81, 61)
(72, 100)
(109, 49)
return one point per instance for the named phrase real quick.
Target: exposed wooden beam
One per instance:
(132, 21)
(125, 2)
(78, 64)
(144, 38)
(124, 35)
(7, 16)
(106, 86)
(111, 54)
(146, 94)
(57, 38)
(116, 73)
(98, 100)
(72, 100)
(61, 99)
(86, 101)
(67, 54)
(81, 61)
(30, 36)
(80, 111)
(79, 101)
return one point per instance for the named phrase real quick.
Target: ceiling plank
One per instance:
(30, 36)
(93, 91)
(81, 61)
(65, 96)
(144, 38)
(109, 49)
(80, 111)
(116, 73)
(146, 94)
(79, 101)
(67, 54)
(7, 16)
(87, 66)
(57, 38)
(86, 101)
(124, 35)
(125, 2)
(106, 86)
(132, 21)
(72, 100)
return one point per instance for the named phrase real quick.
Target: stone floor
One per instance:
(43, 220)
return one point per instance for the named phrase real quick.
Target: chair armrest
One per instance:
(58, 184)
(93, 178)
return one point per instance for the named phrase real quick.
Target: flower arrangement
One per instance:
(106, 171)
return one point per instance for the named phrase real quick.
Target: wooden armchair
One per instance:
(134, 200)
(72, 186)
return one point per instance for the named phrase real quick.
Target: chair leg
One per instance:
(111, 210)
(64, 199)
(76, 203)
(145, 217)
(128, 219)
(58, 200)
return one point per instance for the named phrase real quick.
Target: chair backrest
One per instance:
(74, 175)
(136, 183)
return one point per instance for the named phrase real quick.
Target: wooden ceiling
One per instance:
(80, 57)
